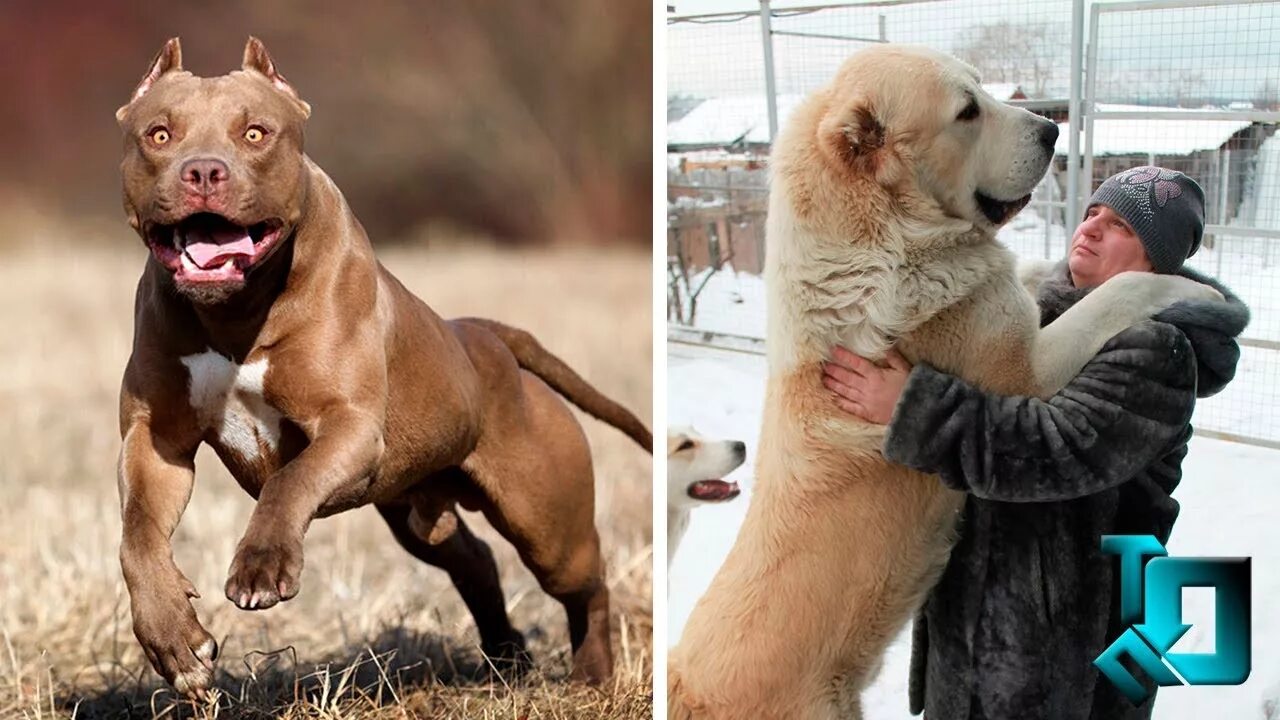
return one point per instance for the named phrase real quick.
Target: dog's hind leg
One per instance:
(533, 466)
(577, 580)
(558, 543)
(541, 498)
(450, 545)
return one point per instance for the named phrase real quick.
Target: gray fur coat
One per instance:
(1026, 602)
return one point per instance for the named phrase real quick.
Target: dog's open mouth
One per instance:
(999, 211)
(208, 248)
(714, 490)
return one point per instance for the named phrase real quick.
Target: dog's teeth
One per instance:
(177, 239)
(229, 264)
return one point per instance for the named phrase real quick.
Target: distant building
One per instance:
(716, 204)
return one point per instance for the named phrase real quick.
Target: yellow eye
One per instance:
(160, 136)
(254, 134)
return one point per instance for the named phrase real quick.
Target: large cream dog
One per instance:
(887, 188)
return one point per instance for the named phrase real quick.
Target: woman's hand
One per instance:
(864, 388)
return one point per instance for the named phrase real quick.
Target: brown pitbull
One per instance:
(265, 327)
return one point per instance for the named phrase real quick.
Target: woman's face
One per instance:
(1104, 245)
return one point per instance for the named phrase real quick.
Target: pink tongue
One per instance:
(212, 249)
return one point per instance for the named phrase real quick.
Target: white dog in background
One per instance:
(695, 474)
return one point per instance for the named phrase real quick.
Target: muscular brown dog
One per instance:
(265, 327)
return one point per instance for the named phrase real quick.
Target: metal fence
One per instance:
(1189, 84)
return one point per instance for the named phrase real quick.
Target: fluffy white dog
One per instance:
(695, 474)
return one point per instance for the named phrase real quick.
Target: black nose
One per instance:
(204, 175)
(1049, 135)
(740, 448)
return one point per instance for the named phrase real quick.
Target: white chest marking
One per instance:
(228, 398)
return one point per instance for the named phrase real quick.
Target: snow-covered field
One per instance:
(1230, 500)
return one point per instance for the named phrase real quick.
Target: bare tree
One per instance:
(1267, 96)
(1029, 54)
(1176, 86)
(683, 284)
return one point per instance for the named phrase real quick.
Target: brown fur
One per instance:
(381, 401)
(875, 239)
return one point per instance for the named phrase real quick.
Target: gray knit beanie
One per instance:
(1165, 207)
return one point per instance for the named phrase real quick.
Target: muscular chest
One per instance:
(230, 405)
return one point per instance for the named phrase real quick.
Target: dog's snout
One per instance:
(1049, 135)
(204, 175)
(739, 449)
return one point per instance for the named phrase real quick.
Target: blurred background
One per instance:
(528, 122)
(499, 155)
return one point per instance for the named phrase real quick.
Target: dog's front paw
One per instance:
(264, 572)
(175, 642)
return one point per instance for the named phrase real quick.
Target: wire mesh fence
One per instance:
(1192, 85)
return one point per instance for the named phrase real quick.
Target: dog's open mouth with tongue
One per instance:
(209, 248)
(714, 490)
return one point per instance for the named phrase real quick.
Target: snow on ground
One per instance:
(1230, 503)
(731, 302)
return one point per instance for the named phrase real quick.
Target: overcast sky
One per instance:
(1225, 52)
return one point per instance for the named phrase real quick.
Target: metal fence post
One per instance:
(1073, 113)
(1090, 110)
(770, 83)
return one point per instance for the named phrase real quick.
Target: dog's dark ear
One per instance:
(168, 60)
(853, 135)
(256, 59)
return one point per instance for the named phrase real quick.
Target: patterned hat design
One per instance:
(1165, 208)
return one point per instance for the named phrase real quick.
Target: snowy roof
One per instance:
(1157, 137)
(716, 156)
(729, 119)
(685, 201)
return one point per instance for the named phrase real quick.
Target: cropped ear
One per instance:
(852, 136)
(169, 59)
(256, 59)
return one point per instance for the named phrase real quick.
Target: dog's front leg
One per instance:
(337, 465)
(155, 480)
(1064, 346)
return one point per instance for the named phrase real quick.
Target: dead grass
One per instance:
(374, 633)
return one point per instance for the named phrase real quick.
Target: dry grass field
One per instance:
(373, 633)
